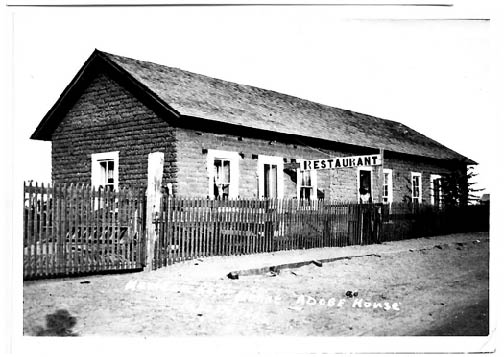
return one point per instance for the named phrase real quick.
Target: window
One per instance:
(270, 174)
(270, 181)
(222, 169)
(306, 187)
(416, 187)
(387, 195)
(222, 178)
(436, 190)
(307, 184)
(364, 184)
(105, 170)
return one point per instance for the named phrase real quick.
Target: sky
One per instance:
(416, 65)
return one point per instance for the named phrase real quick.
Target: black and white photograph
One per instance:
(283, 178)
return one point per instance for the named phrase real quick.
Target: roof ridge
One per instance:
(246, 85)
(192, 94)
(254, 87)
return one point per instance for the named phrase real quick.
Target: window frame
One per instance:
(96, 172)
(313, 179)
(233, 158)
(434, 177)
(270, 160)
(390, 186)
(419, 175)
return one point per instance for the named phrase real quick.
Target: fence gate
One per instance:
(73, 229)
(369, 217)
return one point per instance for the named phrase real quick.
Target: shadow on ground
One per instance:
(469, 321)
(58, 324)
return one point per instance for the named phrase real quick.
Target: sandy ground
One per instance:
(436, 286)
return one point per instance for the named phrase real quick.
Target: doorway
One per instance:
(365, 194)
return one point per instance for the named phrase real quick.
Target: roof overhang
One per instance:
(214, 126)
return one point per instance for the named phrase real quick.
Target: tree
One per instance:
(458, 187)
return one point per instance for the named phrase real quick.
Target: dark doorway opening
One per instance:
(365, 194)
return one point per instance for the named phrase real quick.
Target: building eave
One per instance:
(203, 124)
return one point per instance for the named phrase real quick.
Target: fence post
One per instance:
(154, 179)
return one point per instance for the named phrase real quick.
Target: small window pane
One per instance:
(305, 193)
(307, 182)
(415, 182)
(107, 173)
(436, 183)
(267, 180)
(270, 181)
(226, 172)
(415, 186)
(222, 176)
(222, 171)
(305, 178)
(273, 182)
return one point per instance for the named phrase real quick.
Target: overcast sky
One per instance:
(432, 75)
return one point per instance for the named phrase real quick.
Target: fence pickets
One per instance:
(74, 229)
(191, 228)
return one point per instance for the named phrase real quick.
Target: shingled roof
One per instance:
(196, 95)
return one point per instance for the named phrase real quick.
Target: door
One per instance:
(270, 176)
(270, 181)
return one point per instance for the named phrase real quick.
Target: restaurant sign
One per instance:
(341, 162)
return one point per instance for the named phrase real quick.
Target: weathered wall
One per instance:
(192, 161)
(401, 177)
(108, 118)
(338, 184)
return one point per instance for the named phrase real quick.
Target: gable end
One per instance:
(96, 64)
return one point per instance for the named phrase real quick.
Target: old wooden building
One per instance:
(222, 139)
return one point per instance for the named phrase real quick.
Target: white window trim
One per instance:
(234, 174)
(95, 168)
(271, 160)
(432, 178)
(313, 179)
(389, 183)
(419, 174)
(370, 169)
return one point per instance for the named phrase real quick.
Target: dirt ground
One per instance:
(430, 286)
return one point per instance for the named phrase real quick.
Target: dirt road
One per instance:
(436, 286)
